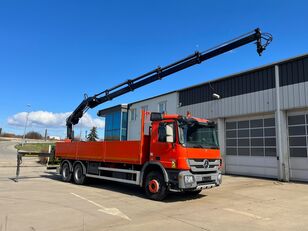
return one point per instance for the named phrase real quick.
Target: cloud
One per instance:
(50, 119)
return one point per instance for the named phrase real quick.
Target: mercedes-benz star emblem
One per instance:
(206, 163)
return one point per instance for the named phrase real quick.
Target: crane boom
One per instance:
(161, 72)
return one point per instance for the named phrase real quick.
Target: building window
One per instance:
(133, 114)
(162, 107)
(112, 126)
(124, 126)
(115, 125)
(145, 108)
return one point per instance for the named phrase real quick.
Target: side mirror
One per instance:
(170, 134)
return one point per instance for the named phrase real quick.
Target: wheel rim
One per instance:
(154, 186)
(65, 171)
(77, 173)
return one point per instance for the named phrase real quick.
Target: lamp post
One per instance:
(27, 117)
(216, 96)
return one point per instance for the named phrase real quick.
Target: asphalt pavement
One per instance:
(7, 152)
(41, 201)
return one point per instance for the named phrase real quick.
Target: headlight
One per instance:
(189, 179)
(219, 179)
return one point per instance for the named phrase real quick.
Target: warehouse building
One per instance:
(262, 117)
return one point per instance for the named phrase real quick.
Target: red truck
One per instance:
(179, 154)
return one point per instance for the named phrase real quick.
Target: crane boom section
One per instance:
(161, 72)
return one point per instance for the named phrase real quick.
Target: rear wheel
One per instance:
(66, 173)
(79, 176)
(155, 186)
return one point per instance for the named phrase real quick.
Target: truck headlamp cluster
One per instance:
(189, 179)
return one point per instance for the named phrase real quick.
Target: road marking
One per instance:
(110, 211)
(246, 214)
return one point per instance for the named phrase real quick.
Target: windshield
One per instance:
(198, 136)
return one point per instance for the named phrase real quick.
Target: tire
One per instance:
(193, 193)
(66, 172)
(155, 186)
(78, 175)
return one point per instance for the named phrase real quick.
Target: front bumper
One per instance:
(192, 181)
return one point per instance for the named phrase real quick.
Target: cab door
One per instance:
(163, 147)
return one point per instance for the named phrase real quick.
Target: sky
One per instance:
(52, 52)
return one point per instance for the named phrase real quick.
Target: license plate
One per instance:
(206, 178)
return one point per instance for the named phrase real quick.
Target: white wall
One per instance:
(251, 103)
(134, 126)
(294, 96)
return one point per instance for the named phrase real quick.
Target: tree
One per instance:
(34, 135)
(10, 135)
(93, 134)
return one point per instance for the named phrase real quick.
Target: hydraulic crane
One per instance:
(161, 72)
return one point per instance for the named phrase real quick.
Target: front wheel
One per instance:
(155, 186)
(79, 176)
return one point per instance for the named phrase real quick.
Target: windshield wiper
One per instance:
(206, 147)
(198, 146)
(212, 147)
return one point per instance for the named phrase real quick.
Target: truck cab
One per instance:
(188, 149)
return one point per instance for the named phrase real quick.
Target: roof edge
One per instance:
(247, 71)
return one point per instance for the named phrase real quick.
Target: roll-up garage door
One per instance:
(298, 134)
(251, 147)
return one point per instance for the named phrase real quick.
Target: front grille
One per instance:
(200, 166)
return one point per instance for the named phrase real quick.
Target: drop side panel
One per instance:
(123, 152)
(130, 152)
